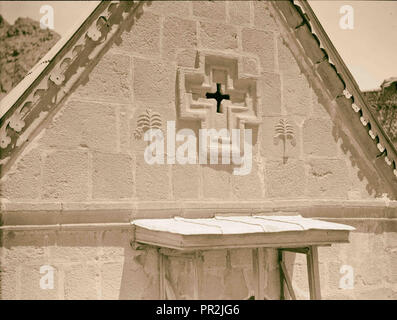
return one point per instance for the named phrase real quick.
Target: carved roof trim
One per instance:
(38, 97)
(322, 60)
(17, 92)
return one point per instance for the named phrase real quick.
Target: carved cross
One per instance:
(218, 96)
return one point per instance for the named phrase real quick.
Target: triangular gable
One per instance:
(33, 103)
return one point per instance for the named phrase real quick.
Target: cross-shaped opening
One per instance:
(218, 96)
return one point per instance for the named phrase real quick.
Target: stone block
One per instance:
(152, 181)
(144, 36)
(23, 182)
(217, 182)
(212, 286)
(240, 258)
(75, 246)
(214, 259)
(178, 33)
(186, 58)
(65, 175)
(31, 288)
(109, 80)
(185, 181)
(218, 36)
(170, 8)
(262, 18)
(327, 178)
(261, 44)
(270, 94)
(248, 186)
(286, 60)
(83, 125)
(215, 10)
(112, 176)
(284, 180)
(154, 82)
(297, 94)
(318, 138)
(81, 282)
(236, 286)
(111, 277)
(239, 12)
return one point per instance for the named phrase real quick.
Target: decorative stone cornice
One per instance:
(21, 119)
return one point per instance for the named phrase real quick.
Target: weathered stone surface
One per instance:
(154, 82)
(248, 186)
(216, 182)
(109, 81)
(111, 278)
(239, 12)
(83, 125)
(297, 95)
(185, 181)
(214, 259)
(24, 181)
(75, 246)
(218, 36)
(286, 61)
(30, 283)
(170, 8)
(240, 258)
(65, 175)
(215, 10)
(262, 18)
(261, 44)
(235, 284)
(152, 181)
(284, 180)
(187, 58)
(144, 37)
(271, 94)
(178, 33)
(318, 138)
(327, 179)
(112, 176)
(81, 282)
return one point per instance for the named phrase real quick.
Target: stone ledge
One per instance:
(96, 214)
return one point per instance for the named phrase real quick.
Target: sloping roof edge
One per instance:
(324, 62)
(12, 97)
(35, 100)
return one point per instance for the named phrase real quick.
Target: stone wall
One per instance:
(86, 164)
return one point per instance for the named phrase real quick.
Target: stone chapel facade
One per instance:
(74, 177)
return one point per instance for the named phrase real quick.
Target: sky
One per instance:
(369, 49)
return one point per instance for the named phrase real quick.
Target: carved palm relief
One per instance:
(147, 120)
(284, 132)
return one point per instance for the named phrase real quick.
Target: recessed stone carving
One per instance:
(218, 94)
(284, 132)
(147, 120)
